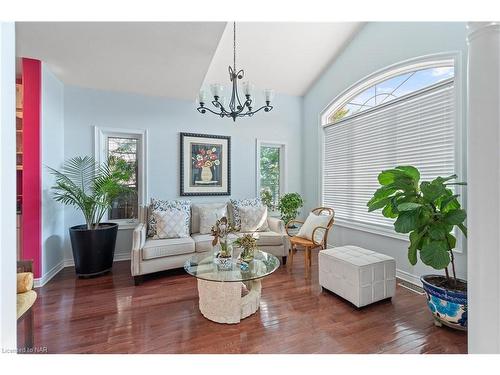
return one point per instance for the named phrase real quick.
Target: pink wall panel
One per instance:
(31, 184)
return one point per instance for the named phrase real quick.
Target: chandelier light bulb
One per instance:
(202, 96)
(248, 88)
(269, 95)
(217, 89)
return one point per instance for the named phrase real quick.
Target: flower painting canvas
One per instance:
(205, 164)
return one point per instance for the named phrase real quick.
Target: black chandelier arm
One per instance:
(218, 104)
(203, 109)
(266, 108)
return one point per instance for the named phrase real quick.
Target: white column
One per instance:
(484, 187)
(8, 326)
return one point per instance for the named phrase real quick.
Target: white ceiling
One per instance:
(174, 59)
(164, 59)
(285, 56)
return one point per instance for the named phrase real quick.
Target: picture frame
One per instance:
(205, 164)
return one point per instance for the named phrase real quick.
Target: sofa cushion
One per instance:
(202, 242)
(208, 217)
(161, 205)
(195, 214)
(167, 247)
(269, 238)
(253, 218)
(235, 208)
(171, 223)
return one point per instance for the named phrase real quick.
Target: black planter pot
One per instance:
(93, 250)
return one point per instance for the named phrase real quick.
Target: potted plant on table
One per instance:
(429, 211)
(289, 205)
(248, 243)
(91, 188)
(223, 243)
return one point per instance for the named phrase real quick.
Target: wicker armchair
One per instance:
(314, 243)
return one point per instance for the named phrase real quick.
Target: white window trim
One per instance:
(283, 164)
(100, 134)
(439, 59)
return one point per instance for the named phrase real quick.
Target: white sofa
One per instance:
(154, 255)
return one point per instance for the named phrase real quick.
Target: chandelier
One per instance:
(235, 108)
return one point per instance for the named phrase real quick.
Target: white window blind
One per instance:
(417, 130)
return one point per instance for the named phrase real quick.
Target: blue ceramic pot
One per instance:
(447, 307)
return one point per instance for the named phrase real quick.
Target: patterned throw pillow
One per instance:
(253, 219)
(236, 204)
(161, 205)
(208, 217)
(171, 223)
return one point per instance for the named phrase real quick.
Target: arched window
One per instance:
(404, 115)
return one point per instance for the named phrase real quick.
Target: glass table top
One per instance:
(204, 266)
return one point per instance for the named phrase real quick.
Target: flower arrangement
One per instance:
(206, 157)
(249, 244)
(220, 231)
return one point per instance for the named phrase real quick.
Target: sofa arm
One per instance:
(138, 240)
(139, 237)
(276, 225)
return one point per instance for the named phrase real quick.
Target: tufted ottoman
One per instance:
(360, 276)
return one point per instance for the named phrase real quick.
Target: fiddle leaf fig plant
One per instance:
(427, 210)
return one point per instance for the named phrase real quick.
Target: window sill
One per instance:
(374, 229)
(125, 224)
(385, 232)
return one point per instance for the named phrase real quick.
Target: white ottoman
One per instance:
(360, 276)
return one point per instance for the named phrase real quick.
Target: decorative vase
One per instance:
(448, 307)
(206, 174)
(247, 254)
(224, 254)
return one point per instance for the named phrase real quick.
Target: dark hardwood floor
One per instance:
(110, 315)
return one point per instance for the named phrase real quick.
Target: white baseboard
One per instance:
(41, 281)
(118, 258)
(409, 277)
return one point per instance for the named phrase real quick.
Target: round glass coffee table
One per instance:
(231, 292)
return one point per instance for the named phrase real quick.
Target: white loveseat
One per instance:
(154, 255)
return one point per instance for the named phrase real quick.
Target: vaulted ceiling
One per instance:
(175, 59)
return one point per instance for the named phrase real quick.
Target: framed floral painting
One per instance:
(205, 164)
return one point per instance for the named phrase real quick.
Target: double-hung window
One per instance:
(271, 178)
(401, 117)
(124, 148)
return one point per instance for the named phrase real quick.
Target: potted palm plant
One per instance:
(91, 188)
(429, 211)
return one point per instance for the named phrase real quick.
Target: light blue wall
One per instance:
(52, 142)
(376, 46)
(165, 119)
